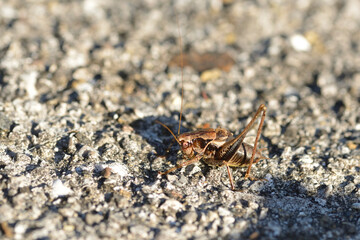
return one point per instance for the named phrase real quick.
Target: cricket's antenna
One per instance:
(182, 86)
(168, 130)
(182, 73)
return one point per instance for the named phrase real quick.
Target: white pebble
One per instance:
(20, 228)
(269, 177)
(306, 159)
(228, 220)
(300, 43)
(172, 204)
(59, 189)
(287, 153)
(330, 90)
(345, 150)
(116, 167)
(29, 83)
(224, 212)
(8, 12)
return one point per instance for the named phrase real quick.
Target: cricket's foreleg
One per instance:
(191, 161)
(262, 109)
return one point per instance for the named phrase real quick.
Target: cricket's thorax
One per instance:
(195, 142)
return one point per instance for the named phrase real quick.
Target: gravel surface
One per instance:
(82, 82)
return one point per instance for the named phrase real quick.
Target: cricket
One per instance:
(217, 147)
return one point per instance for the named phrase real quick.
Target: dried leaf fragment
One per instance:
(206, 61)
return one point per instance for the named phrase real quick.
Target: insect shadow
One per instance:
(159, 138)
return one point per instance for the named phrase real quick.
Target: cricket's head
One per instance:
(186, 144)
(184, 140)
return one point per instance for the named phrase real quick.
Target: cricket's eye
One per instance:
(185, 144)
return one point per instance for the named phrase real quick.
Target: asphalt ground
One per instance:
(83, 82)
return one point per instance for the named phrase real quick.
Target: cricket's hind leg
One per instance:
(262, 108)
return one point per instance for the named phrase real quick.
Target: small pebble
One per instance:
(300, 43)
(93, 218)
(59, 189)
(306, 159)
(106, 172)
(210, 75)
(140, 230)
(29, 82)
(190, 217)
(228, 220)
(172, 204)
(356, 206)
(224, 212)
(287, 153)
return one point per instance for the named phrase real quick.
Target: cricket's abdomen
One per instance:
(239, 158)
(242, 156)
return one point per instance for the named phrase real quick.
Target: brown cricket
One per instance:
(218, 147)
